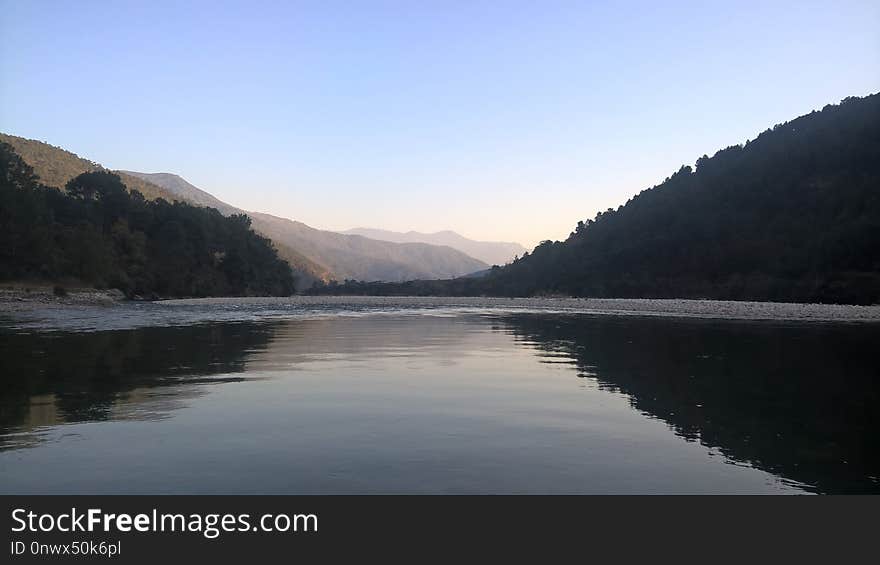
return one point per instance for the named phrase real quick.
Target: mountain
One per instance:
(793, 215)
(306, 270)
(182, 189)
(99, 232)
(314, 255)
(331, 255)
(489, 252)
(55, 166)
(361, 258)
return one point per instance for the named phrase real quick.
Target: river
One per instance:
(424, 395)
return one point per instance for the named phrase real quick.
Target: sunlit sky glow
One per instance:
(500, 120)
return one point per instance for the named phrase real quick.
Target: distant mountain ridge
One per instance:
(490, 252)
(361, 258)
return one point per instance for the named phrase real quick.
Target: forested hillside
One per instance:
(306, 270)
(98, 232)
(55, 167)
(793, 215)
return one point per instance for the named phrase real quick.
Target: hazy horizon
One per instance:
(502, 123)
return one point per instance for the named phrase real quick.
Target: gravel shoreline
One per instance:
(90, 310)
(30, 298)
(718, 309)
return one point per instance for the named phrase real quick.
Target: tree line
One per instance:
(98, 233)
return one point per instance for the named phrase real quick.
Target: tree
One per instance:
(102, 234)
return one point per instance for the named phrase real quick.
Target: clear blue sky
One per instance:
(501, 120)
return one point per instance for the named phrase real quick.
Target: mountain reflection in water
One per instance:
(464, 403)
(54, 378)
(799, 401)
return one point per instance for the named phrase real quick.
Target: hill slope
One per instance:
(307, 271)
(99, 232)
(313, 254)
(361, 258)
(180, 188)
(489, 252)
(55, 167)
(330, 255)
(793, 215)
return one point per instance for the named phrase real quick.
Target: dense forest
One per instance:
(100, 233)
(793, 215)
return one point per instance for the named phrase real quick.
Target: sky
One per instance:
(500, 120)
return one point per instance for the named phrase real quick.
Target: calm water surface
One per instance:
(255, 396)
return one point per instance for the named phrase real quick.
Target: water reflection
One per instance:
(53, 378)
(448, 404)
(799, 401)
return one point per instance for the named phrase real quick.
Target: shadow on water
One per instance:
(64, 377)
(799, 401)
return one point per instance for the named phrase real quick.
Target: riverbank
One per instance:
(673, 307)
(20, 297)
(90, 310)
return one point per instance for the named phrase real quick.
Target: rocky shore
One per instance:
(24, 297)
